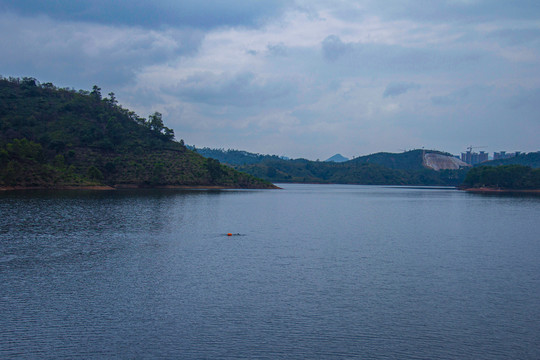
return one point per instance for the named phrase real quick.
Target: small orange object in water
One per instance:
(229, 234)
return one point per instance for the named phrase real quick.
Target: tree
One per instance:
(23, 148)
(214, 169)
(112, 99)
(94, 173)
(96, 92)
(168, 133)
(155, 122)
(29, 82)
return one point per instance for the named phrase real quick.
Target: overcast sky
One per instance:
(306, 78)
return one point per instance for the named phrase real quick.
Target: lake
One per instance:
(311, 271)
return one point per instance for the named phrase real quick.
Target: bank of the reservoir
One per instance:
(501, 191)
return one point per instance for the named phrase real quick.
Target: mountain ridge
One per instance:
(375, 169)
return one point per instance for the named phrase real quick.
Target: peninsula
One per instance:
(502, 179)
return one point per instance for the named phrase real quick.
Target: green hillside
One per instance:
(57, 137)
(235, 157)
(376, 169)
(509, 177)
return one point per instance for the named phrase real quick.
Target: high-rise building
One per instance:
(505, 155)
(474, 158)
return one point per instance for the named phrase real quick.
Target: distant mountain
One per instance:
(531, 159)
(338, 158)
(376, 169)
(53, 137)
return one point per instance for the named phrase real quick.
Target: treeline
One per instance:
(235, 157)
(349, 173)
(52, 136)
(377, 169)
(509, 177)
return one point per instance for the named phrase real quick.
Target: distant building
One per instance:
(473, 158)
(504, 155)
(482, 157)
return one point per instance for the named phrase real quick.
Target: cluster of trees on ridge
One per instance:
(53, 137)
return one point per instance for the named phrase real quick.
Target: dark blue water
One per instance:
(313, 271)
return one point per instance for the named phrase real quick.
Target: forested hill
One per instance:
(377, 169)
(58, 137)
(235, 157)
(505, 177)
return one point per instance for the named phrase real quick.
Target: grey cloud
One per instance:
(516, 36)
(525, 103)
(85, 54)
(333, 48)
(366, 58)
(396, 89)
(454, 10)
(465, 95)
(240, 90)
(112, 44)
(203, 14)
(277, 49)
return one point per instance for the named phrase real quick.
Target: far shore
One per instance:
(488, 190)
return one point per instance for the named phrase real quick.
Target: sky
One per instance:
(298, 78)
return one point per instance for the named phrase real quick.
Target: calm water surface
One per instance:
(313, 271)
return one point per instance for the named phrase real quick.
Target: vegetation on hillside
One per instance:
(53, 137)
(349, 173)
(376, 169)
(235, 157)
(509, 177)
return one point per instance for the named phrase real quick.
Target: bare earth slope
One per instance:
(443, 162)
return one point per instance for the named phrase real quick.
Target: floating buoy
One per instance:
(229, 234)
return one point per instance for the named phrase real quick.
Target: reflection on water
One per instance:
(318, 271)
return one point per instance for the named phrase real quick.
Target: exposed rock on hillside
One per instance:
(443, 162)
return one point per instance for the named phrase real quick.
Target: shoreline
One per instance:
(134, 187)
(489, 190)
(65, 187)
